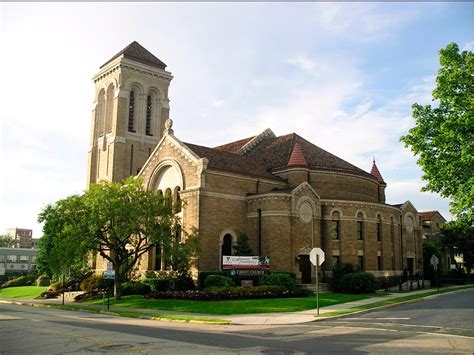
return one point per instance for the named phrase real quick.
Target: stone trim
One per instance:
(269, 196)
(370, 205)
(222, 195)
(268, 133)
(245, 177)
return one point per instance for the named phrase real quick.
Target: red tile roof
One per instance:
(375, 172)
(297, 157)
(135, 51)
(272, 154)
(427, 215)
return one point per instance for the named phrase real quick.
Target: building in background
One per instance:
(22, 236)
(14, 260)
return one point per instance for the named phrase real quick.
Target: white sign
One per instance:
(245, 262)
(109, 275)
(312, 256)
(434, 261)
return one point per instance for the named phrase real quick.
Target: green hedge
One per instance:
(287, 280)
(43, 280)
(218, 281)
(202, 276)
(135, 288)
(19, 281)
(94, 282)
(359, 282)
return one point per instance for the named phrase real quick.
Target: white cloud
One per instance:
(303, 62)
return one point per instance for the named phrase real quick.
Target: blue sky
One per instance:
(342, 75)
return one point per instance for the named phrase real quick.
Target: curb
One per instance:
(363, 311)
(77, 309)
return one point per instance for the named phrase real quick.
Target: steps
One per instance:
(323, 287)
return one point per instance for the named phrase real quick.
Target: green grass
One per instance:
(155, 316)
(29, 292)
(391, 302)
(235, 306)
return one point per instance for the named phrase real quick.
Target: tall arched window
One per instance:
(100, 112)
(149, 108)
(110, 108)
(226, 248)
(177, 199)
(131, 112)
(168, 198)
(360, 226)
(335, 226)
(177, 235)
(379, 228)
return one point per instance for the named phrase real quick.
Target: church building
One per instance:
(285, 193)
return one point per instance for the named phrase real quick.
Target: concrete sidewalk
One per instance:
(248, 319)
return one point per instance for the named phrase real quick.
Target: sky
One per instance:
(341, 75)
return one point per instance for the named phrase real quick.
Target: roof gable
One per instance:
(136, 52)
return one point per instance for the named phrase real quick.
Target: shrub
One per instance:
(338, 273)
(184, 283)
(92, 295)
(278, 279)
(229, 293)
(202, 276)
(19, 281)
(94, 282)
(359, 282)
(49, 294)
(218, 281)
(135, 288)
(43, 280)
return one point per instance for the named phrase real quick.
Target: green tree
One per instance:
(7, 242)
(243, 248)
(460, 236)
(443, 136)
(429, 249)
(62, 249)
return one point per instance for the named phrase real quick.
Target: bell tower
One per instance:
(129, 112)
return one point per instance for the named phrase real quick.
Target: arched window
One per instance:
(131, 112)
(360, 226)
(335, 226)
(100, 112)
(227, 245)
(379, 228)
(110, 108)
(177, 198)
(160, 193)
(168, 198)
(148, 116)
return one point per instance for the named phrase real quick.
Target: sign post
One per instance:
(435, 261)
(109, 275)
(316, 256)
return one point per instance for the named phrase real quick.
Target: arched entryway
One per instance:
(226, 247)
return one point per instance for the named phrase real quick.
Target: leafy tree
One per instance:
(443, 136)
(62, 249)
(429, 249)
(243, 248)
(460, 235)
(180, 254)
(7, 242)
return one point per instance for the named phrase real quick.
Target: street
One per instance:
(443, 324)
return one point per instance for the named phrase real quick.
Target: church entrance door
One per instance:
(305, 268)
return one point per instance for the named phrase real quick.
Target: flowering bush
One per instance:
(230, 293)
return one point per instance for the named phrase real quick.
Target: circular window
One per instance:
(306, 212)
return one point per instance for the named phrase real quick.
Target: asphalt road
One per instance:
(444, 324)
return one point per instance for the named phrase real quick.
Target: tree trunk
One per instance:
(118, 286)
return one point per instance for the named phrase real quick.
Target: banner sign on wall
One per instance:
(245, 262)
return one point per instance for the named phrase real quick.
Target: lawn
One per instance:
(269, 305)
(22, 291)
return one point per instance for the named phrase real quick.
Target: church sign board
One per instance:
(245, 262)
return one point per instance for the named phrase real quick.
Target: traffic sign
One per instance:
(109, 275)
(313, 256)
